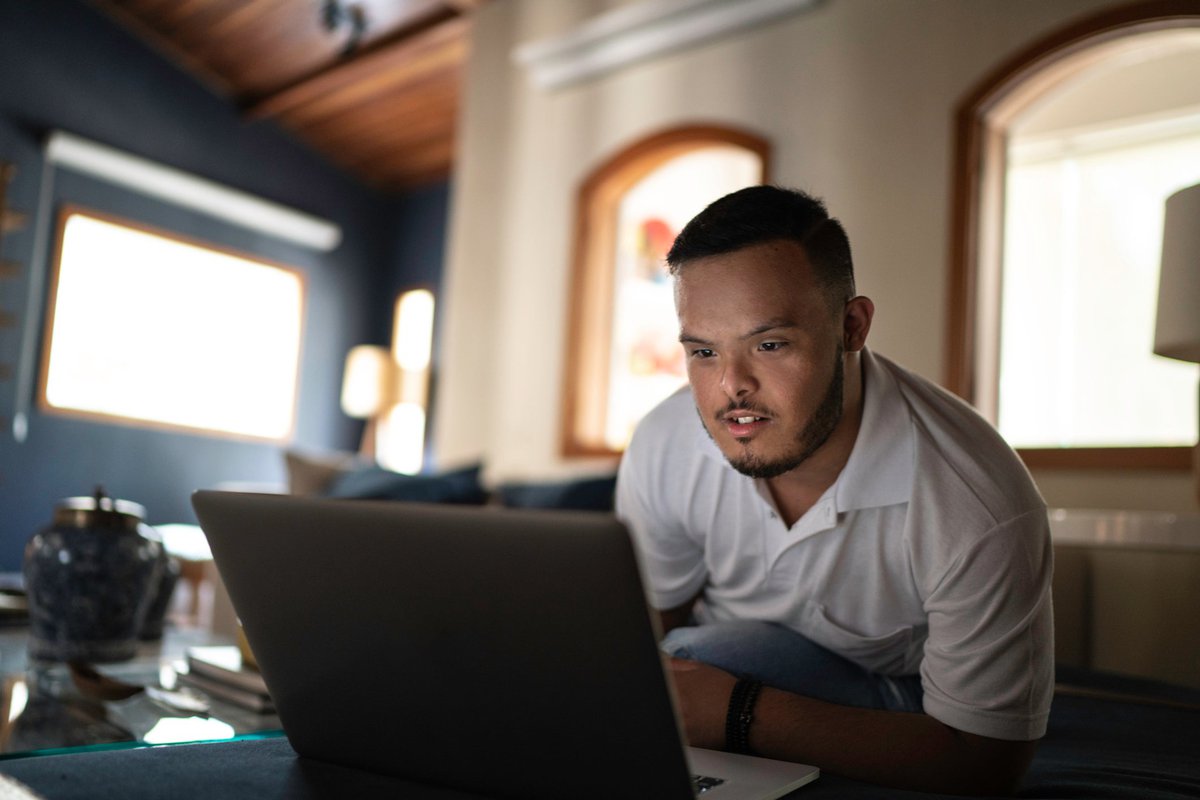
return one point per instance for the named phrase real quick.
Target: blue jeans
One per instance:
(782, 658)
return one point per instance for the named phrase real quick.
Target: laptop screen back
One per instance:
(499, 651)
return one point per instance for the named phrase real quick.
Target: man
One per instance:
(852, 567)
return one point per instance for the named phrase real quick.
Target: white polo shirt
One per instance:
(930, 553)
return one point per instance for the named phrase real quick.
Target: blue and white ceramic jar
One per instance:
(90, 579)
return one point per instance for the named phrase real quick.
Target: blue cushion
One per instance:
(587, 494)
(376, 483)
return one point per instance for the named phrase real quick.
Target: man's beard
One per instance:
(816, 432)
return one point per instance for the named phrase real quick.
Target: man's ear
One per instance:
(856, 323)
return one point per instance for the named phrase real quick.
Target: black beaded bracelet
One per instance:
(740, 714)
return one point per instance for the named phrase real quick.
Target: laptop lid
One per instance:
(505, 652)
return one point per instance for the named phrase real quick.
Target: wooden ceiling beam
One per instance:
(396, 128)
(303, 49)
(387, 159)
(401, 140)
(386, 113)
(401, 60)
(396, 131)
(392, 162)
(376, 96)
(243, 33)
(389, 172)
(433, 97)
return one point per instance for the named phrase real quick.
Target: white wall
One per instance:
(857, 97)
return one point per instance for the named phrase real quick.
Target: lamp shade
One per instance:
(1177, 326)
(369, 382)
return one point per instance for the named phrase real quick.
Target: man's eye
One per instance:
(702, 352)
(771, 346)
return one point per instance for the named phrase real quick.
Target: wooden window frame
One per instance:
(981, 120)
(590, 304)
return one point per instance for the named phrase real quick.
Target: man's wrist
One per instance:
(740, 714)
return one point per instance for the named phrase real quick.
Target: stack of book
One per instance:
(219, 672)
(14, 606)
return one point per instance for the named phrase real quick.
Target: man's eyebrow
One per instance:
(769, 325)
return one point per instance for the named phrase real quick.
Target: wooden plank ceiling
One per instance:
(381, 103)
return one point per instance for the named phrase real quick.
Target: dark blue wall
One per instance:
(418, 247)
(64, 66)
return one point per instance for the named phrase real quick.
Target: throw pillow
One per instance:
(376, 483)
(585, 494)
(312, 473)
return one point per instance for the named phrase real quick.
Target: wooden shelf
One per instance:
(14, 220)
(10, 220)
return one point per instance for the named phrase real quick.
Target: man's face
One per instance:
(764, 355)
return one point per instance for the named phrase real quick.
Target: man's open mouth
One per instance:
(742, 423)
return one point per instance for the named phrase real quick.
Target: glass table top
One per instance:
(48, 707)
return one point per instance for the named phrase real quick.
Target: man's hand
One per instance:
(891, 748)
(703, 693)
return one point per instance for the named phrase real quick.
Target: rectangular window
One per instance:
(1081, 259)
(148, 328)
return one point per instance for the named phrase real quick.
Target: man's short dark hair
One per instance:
(759, 214)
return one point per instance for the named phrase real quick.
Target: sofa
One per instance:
(346, 476)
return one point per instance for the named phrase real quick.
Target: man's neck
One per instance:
(797, 490)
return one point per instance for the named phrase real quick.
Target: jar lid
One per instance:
(99, 509)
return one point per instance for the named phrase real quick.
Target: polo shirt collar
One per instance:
(879, 471)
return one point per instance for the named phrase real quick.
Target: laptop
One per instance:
(503, 652)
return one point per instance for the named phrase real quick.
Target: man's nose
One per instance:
(737, 379)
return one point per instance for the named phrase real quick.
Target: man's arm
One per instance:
(677, 617)
(891, 748)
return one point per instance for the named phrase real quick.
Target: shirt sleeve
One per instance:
(672, 562)
(988, 664)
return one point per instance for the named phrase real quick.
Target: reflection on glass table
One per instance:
(50, 705)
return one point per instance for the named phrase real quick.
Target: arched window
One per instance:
(623, 353)
(1062, 166)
